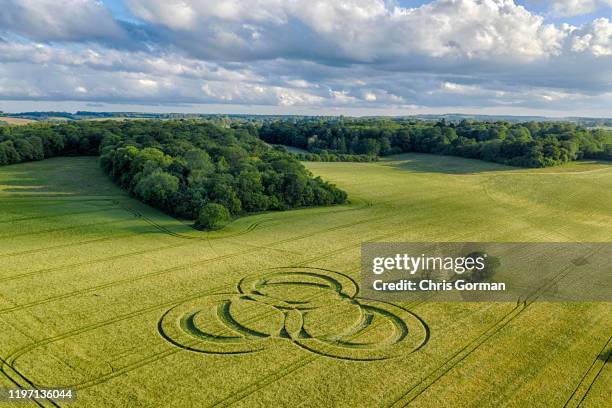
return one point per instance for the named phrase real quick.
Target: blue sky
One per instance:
(119, 9)
(354, 57)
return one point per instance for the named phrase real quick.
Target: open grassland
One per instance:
(133, 308)
(15, 121)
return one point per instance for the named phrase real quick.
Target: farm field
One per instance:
(15, 121)
(134, 308)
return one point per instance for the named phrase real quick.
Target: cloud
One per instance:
(595, 38)
(370, 96)
(578, 7)
(58, 20)
(292, 53)
(460, 89)
(183, 14)
(172, 13)
(258, 94)
(352, 30)
(112, 60)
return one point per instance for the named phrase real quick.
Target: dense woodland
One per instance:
(531, 144)
(194, 170)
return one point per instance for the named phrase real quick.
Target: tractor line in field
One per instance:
(419, 388)
(596, 367)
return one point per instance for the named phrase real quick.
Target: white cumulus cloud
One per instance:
(595, 38)
(50, 20)
(578, 7)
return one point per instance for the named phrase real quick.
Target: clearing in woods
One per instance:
(133, 308)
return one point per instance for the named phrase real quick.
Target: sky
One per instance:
(314, 57)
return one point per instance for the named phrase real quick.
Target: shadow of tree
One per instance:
(605, 356)
(62, 176)
(430, 163)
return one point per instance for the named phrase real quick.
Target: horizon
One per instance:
(319, 114)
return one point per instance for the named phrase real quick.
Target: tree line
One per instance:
(325, 156)
(40, 141)
(189, 169)
(530, 144)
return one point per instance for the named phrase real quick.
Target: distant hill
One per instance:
(449, 117)
(457, 117)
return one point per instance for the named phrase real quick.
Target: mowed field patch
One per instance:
(134, 308)
(15, 121)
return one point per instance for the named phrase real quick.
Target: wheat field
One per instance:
(131, 307)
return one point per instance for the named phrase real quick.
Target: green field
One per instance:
(136, 309)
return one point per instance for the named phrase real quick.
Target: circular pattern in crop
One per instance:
(315, 309)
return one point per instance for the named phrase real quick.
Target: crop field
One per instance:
(15, 121)
(133, 308)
